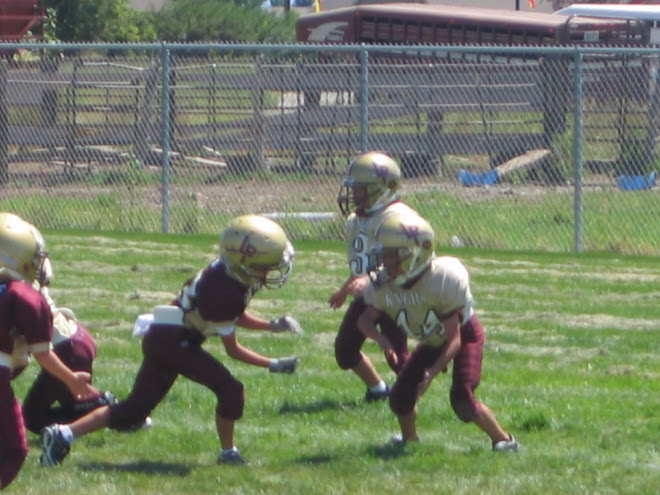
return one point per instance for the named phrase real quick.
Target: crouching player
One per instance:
(26, 327)
(48, 400)
(254, 253)
(429, 297)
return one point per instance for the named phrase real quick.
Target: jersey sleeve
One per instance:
(32, 317)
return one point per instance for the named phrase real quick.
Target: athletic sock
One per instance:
(67, 434)
(381, 387)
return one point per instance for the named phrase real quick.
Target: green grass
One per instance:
(507, 217)
(571, 367)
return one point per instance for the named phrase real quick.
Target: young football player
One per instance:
(26, 327)
(254, 253)
(429, 297)
(76, 348)
(369, 193)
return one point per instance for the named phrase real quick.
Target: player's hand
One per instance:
(81, 388)
(391, 358)
(284, 365)
(337, 298)
(286, 322)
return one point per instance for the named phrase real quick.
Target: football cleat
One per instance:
(143, 426)
(397, 440)
(233, 457)
(510, 445)
(105, 399)
(54, 448)
(372, 396)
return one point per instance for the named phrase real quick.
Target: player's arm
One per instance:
(77, 382)
(353, 286)
(367, 325)
(453, 344)
(254, 322)
(238, 351)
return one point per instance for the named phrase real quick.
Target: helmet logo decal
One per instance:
(247, 250)
(411, 232)
(381, 171)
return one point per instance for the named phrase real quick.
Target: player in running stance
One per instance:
(369, 194)
(254, 253)
(26, 327)
(429, 297)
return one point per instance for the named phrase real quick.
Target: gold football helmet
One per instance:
(22, 249)
(403, 248)
(256, 250)
(372, 182)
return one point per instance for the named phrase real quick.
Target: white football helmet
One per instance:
(403, 248)
(22, 249)
(371, 183)
(256, 250)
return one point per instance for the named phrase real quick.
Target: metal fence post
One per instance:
(577, 147)
(364, 99)
(165, 136)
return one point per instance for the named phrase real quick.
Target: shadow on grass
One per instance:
(144, 467)
(318, 406)
(315, 459)
(387, 451)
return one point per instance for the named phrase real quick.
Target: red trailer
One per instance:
(21, 20)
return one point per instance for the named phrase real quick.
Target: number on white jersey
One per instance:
(360, 261)
(432, 332)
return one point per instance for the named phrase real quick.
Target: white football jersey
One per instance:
(360, 234)
(443, 288)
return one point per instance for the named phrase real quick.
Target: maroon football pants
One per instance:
(350, 339)
(466, 374)
(78, 354)
(170, 351)
(13, 444)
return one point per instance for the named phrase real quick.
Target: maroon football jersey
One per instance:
(24, 316)
(212, 300)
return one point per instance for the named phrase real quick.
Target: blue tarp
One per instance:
(484, 179)
(637, 182)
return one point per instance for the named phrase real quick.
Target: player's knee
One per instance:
(401, 404)
(464, 405)
(346, 359)
(33, 422)
(231, 401)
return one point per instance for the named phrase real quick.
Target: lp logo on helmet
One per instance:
(247, 249)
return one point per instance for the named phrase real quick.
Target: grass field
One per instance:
(571, 368)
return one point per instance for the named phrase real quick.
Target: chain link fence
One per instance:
(514, 148)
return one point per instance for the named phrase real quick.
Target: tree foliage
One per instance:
(179, 20)
(99, 20)
(222, 20)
